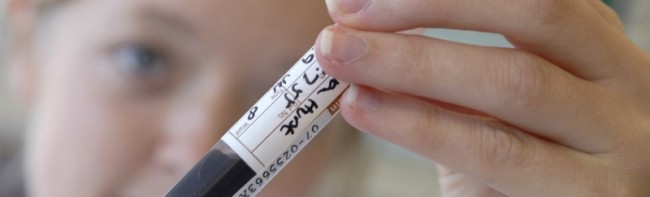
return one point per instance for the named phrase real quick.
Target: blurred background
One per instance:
(11, 115)
(394, 165)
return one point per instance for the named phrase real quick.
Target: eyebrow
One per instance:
(169, 21)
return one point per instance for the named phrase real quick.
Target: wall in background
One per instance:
(11, 116)
(637, 22)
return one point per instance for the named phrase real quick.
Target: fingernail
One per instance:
(361, 99)
(347, 6)
(341, 47)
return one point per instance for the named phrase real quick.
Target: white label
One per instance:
(284, 120)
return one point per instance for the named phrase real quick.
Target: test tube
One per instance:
(268, 136)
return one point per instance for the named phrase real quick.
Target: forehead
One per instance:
(230, 28)
(221, 15)
(218, 12)
(269, 9)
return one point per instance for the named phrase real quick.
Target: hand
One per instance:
(564, 113)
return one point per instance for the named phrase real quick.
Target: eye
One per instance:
(139, 60)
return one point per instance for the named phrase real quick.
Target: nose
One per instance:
(195, 122)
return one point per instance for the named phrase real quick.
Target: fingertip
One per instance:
(324, 44)
(341, 46)
(350, 13)
(318, 47)
(321, 47)
(338, 49)
(362, 99)
(347, 110)
(359, 105)
(346, 7)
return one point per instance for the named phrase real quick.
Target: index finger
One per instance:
(571, 34)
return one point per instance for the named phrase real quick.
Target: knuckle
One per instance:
(416, 65)
(501, 150)
(611, 15)
(617, 182)
(607, 13)
(422, 127)
(523, 83)
(547, 11)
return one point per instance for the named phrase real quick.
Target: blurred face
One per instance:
(131, 93)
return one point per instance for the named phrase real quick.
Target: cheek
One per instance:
(84, 135)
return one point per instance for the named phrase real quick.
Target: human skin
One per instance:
(127, 95)
(564, 113)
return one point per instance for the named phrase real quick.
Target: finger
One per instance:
(569, 33)
(453, 184)
(495, 154)
(607, 13)
(514, 86)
